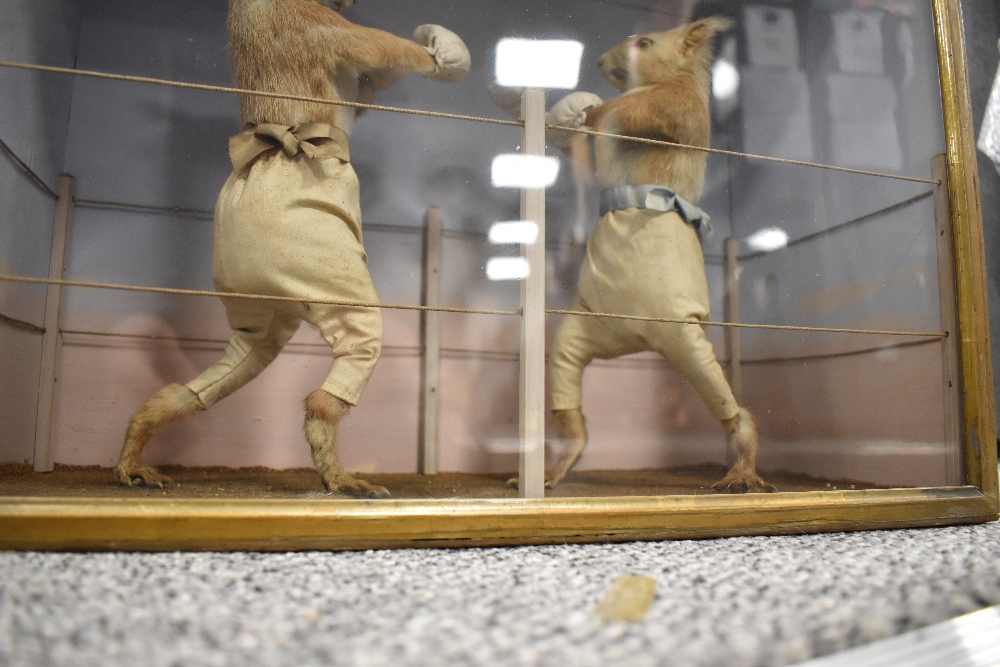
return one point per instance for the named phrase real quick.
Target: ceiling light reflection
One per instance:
(508, 268)
(525, 171)
(725, 80)
(538, 63)
(768, 239)
(523, 232)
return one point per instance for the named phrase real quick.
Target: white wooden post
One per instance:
(731, 307)
(51, 338)
(532, 403)
(430, 343)
(951, 367)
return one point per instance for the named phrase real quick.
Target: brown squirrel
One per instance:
(666, 79)
(644, 257)
(288, 220)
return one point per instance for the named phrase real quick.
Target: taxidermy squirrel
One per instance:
(644, 257)
(288, 220)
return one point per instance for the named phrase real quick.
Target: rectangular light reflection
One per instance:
(525, 171)
(523, 232)
(768, 239)
(538, 63)
(507, 268)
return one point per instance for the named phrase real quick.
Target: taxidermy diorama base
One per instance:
(303, 483)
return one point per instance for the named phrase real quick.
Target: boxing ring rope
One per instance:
(433, 114)
(179, 210)
(455, 233)
(532, 123)
(836, 228)
(447, 233)
(456, 351)
(449, 116)
(410, 229)
(28, 170)
(493, 355)
(22, 324)
(464, 311)
(480, 236)
(206, 213)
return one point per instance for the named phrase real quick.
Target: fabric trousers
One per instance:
(291, 227)
(650, 264)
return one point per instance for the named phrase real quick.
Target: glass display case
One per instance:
(835, 239)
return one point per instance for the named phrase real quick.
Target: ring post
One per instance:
(532, 404)
(44, 461)
(430, 342)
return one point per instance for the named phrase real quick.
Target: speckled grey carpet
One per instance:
(742, 601)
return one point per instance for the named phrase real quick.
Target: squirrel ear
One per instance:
(700, 33)
(338, 5)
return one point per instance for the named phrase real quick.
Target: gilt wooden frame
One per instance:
(197, 524)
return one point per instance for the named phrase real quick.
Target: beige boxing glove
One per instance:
(448, 51)
(570, 111)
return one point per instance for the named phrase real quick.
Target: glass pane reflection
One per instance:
(827, 82)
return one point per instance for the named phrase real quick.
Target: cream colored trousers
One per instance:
(291, 227)
(647, 263)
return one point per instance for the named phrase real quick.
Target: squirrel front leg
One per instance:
(446, 59)
(385, 58)
(654, 113)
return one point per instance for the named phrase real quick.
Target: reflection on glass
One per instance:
(521, 232)
(768, 239)
(525, 171)
(819, 81)
(725, 80)
(535, 63)
(508, 268)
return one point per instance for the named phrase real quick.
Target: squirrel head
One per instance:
(647, 59)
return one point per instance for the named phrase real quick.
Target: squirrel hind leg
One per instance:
(571, 430)
(170, 404)
(323, 415)
(744, 441)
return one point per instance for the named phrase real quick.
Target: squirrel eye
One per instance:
(643, 42)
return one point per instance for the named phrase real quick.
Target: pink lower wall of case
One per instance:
(871, 417)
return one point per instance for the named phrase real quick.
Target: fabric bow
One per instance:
(318, 141)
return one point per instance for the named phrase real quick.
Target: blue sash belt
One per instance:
(656, 198)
